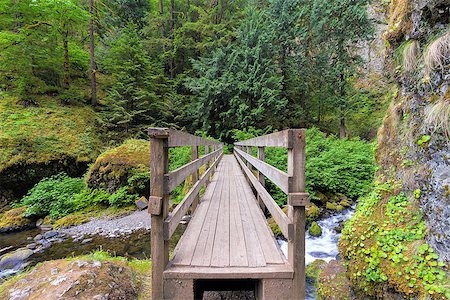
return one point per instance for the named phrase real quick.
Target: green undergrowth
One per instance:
(46, 132)
(383, 244)
(334, 166)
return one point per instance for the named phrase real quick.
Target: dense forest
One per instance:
(81, 81)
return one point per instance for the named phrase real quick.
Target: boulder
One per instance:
(315, 230)
(332, 283)
(142, 203)
(13, 220)
(15, 259)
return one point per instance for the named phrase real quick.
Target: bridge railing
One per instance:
(163, 182)
(291, 183)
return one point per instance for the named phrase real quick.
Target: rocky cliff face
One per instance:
(414, 139)
(398, 242)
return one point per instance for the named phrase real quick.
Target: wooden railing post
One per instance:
(208, 164)
(158, 208)
(195, 177)
(261, 177)
(296, 245)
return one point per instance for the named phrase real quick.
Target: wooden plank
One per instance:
(279, 216)
(174, 218)
(276, 139)
(203, 252)
(178, 138)
(184, 250)
(238, 251)
(278, 177)
(221, 249)
(271, 251)
(174, 178)
(189, 272)
(160, 247)
(255, 255)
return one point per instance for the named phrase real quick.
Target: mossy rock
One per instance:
(126, 165)
(315, 230)
(13, 220)
(332, 283)
(313, 269)
(44, 140)
(331, 206)
(274, 226)
(345, 203)
(312, 212)
(71, 220)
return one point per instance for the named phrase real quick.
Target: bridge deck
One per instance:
(228, 236)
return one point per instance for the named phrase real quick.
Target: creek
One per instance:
(323, 247)
(137, 245)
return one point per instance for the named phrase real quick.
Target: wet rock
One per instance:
(38, 237)
(332, 283)
(46, 227)
(315, 229)
(15, 259)
(39, 223)
(142, 203)
(85, 241)
(32, 246)
(50, 234)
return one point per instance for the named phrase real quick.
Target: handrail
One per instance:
(292, 183)
(278, 177)
(177, 138)
(162, 182)
(278, 215)
(276, 139)
(174, 218)
(175, 177)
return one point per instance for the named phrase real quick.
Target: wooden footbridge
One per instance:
(227, 244)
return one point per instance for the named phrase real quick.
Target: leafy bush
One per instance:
(52, 196)
(90, 198)
(332, 165)
(122, 198)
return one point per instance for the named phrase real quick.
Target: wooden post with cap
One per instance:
(297, 200)
(158, 207)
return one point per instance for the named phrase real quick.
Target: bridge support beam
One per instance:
(296, 245)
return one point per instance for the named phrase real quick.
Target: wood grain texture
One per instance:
(175, 177)
(278, 177)
(177, 138)
(276, 139)
(278, 215)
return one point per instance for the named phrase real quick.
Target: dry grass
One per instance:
(410, 55)
(437, 53)
(437, 115)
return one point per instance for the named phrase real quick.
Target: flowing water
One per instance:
(322, 247)
(137, 245)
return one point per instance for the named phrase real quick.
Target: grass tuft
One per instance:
(437, 53)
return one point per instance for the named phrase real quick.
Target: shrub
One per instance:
(122, 198)
(52, 196)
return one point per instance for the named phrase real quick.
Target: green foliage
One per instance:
(52, 196)
(384, 242)
(90, 198)
(122, 197)
(332, 165)
(423, 142)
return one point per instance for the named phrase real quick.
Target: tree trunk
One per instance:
(342, 133)
(161, 15)
(66, 60)
(172, 25)
(92, 54)
(188, 5)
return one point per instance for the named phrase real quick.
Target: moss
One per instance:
(13, 220)
(313, 269)
(39, 141)
(332, 283)
(125, 165)
(71, 220)
(345, 203)
(274, 226)
(331, 205)
(383, 246)
(312, 212)
(315, 230)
